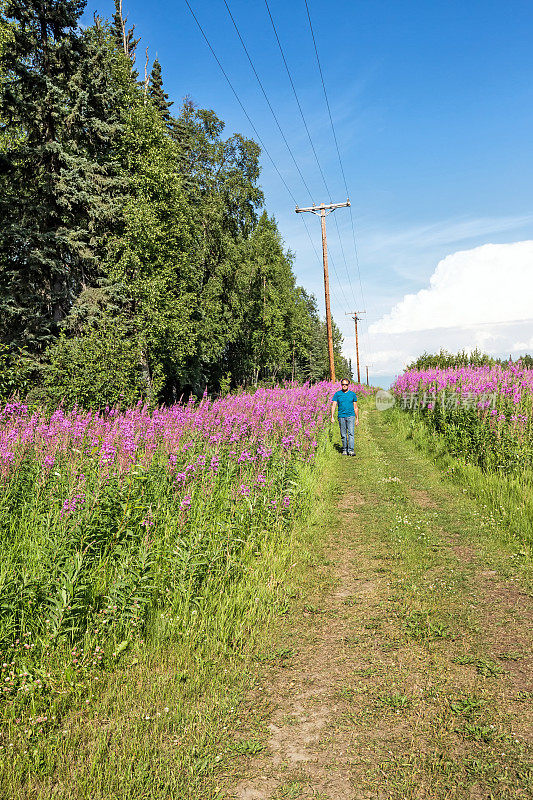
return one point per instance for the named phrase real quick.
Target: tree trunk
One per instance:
(146, 78)
(145, 367)
(292, 373)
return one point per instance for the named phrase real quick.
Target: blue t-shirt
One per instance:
(345, 401)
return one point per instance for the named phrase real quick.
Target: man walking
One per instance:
(348, 416)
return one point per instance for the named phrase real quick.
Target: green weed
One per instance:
(395, 701)
(292, 789)
(478, 732)
(467, 705)
(420, 625)
(523, 696)
(249, 747)
(484, 666)
(276, 656)
(488, 668)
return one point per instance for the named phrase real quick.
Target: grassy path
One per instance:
(403, 668)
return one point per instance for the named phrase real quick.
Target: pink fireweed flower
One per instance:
(70, 505)
(148, 521)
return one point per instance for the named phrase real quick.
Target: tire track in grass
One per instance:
(398, 677)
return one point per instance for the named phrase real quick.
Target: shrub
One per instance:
(102, 367)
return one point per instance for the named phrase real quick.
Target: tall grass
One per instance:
(478, 424)
(485, 414)
(119, 527)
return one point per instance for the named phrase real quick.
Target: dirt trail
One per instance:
(302, 747)
(410, 676)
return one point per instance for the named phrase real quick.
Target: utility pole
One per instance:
(322, 211)
(367, 375)
(355, 316)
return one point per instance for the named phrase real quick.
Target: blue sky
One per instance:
(433, 108)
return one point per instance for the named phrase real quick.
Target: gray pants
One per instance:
(347, 426)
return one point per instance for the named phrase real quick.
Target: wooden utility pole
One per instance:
(367, 376)
(355, 316)
(321, 211)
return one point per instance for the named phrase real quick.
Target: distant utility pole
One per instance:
(355, 316)
(321, 211)
(367, 376)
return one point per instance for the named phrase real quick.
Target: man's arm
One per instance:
(356, 409)
(333, 407)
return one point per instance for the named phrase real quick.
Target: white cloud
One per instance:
(476, 298)
(382, 360)
(523, 346)
(488, 284)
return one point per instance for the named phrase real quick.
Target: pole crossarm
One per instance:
(323, 209)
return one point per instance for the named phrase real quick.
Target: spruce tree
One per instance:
(124, 37)
(157, 94)
(36, 273)
(57, 179)
(94, 172)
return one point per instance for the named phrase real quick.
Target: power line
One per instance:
(298, 101)
(344, 259)
(310, 141)
(285, 138)
(287, 143)
(337, 149)
(365, 333)
(338, 279)
(263, 146)
(326, 96)
(260, 140)
(268, 101)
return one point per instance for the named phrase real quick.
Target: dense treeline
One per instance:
(137, 259)
(464, 358)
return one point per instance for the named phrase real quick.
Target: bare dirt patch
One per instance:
(301, 749)
(464, 552)
(506, 617)
(422, 498)
(350, 501)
